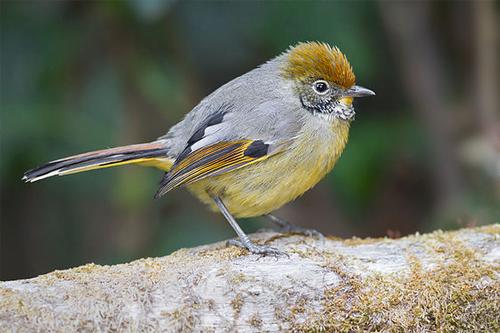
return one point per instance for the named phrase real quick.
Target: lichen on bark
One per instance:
(443, 281)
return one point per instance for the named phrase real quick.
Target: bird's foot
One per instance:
(257, 249)
(295, 229)
(287, 227)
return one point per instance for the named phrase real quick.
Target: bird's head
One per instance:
(323, 80)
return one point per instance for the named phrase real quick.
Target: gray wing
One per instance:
(245, 121)
(248, 108)
(228, 140)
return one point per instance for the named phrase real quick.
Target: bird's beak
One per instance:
(358, 91)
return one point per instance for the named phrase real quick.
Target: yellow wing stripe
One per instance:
(207, 151)
(161, 163)
(209, 161)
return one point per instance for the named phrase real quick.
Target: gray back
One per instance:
(259, 105)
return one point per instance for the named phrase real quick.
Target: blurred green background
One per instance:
(79, 76)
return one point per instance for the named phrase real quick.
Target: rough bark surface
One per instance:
(443, 281)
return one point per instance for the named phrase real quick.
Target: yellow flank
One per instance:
(267, 185)
(160, 163)
(314, 60)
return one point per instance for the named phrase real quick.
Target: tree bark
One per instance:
(443, 281)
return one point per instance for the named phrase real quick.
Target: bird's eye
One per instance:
(321, 87)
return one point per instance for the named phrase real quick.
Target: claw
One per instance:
(287, 227)
(244, 241)
(257, 249)
(293, 229)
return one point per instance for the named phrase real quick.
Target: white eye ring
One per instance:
(321, 87)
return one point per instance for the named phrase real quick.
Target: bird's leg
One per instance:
(287, 227)
(244, 241)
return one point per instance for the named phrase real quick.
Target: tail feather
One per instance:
(152, 154)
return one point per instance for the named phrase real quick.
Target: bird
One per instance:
(252, 145)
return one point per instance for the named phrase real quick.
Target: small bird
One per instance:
(254, 144)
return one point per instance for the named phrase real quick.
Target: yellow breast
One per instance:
(265, 186)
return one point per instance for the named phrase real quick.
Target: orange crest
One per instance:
(314, 60)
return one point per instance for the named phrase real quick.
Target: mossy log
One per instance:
(443, 281)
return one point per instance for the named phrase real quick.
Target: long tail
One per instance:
(150, 154)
